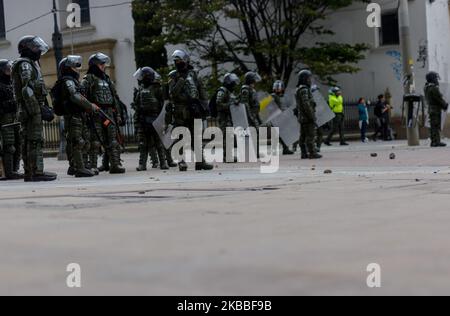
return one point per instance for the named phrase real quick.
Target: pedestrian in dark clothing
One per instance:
(382, 114)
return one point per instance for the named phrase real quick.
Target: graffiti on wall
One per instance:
(423, 53)
(397, 65)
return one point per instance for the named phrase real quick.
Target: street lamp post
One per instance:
(408, 71)
(57, 40)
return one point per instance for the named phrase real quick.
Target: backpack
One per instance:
(57, 98)
(213, 105)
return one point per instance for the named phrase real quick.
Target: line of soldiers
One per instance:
(93, 114)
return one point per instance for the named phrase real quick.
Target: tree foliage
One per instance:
(267, 35)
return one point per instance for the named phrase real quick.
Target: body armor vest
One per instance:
(101, 92)
(8, 103)
(150, 105)
(37, 81)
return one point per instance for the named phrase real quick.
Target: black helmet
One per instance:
(32, 47)
(279, 86)
(335, 90)
(5, 67)
(433, 77)
(145, 73)
(252, 77)
(231, 81)
(305, 78)
(71, 61)
(68, 64)
(99, 59)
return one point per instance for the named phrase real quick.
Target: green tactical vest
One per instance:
(101, 92)
(149, 104)
(36, 83)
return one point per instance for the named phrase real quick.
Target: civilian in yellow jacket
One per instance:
(336, 102)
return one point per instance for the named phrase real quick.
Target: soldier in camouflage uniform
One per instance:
(11, 143)
(148, 104)
(77, 108)
(224, 100)
(187, 97)
(31, 95)
(307, 116)
(436, 104)
(249, 98)
(278, 93)
(100, 90)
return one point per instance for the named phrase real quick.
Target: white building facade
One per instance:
(382, 68)
(107, 26)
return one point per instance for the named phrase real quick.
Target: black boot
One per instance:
(183, 166)
(304, 151)
(199, 166)
(45, 177)
(84, 173)
(117, 170)
(141, 168)
(71, 171)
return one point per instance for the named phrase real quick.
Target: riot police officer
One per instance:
(148, 103)
(307, 115)
(249, 98)
(100, 90)
(278, 94)
(31, 95)
(188, 101)
(436, 104)
(225, 99)
(10, 128)
(77, 108)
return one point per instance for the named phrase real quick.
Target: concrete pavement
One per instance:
(235, 231)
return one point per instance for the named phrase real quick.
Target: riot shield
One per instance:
(289, 127)
(323, 112)
(165, 134)
(239, 116)
(269, 110)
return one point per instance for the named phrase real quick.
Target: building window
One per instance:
(390, 32)
(85, 11)
(2, 21)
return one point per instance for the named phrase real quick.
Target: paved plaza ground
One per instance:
(235, 231)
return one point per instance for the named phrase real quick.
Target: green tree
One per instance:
(149, 50)
(259, 34)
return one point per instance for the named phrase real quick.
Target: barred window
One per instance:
(85, 11)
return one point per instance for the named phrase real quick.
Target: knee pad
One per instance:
(96, 145)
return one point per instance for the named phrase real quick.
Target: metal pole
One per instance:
(58, 48)
(408, 70)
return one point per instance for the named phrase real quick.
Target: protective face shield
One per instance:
(99, 59)
(252, 77)
(72, 61)
(33, 47)
(181, 60)
(305, 78)
(433, 77)
(146, 73)
(279, 87)
(5, 67)
(231, 81)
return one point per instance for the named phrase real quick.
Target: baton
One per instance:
(17, 124)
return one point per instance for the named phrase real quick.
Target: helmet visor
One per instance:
(39, 46)
(103, 59)
(74, 61)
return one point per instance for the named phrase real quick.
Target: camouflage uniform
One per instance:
(31, 95)
(250, 100)
(148, 103)
(186, 94)
(101, 91)
(307, 118)
(436, 104)
(77, 130)
(11, 142)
